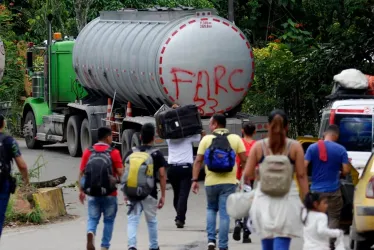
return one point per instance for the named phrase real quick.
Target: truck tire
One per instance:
(135, 141)
(126, 141)
(85, 134)
(30, 127)
(73, 139)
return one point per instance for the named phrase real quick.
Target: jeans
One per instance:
(4, 199)
(106, 205)
(216, 197)
(279, 243)
(149, 207)
(180, 179)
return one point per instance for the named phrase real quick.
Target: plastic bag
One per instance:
(239, 204)
(352, 79)
(339, 244)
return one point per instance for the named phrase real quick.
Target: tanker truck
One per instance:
(126, 65)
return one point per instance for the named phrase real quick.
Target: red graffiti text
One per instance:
(222, 80)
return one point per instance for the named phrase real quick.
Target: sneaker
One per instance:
(179, 224)
(155, 248)
(246, 238)
(132, 248)
(90, 241)
(211, 246)
(237, 232)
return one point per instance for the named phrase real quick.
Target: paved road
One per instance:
(71, 234)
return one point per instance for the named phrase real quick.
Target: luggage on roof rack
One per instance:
(352, 84)
(340, 93)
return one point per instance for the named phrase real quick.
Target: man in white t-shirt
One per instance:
(180, 161)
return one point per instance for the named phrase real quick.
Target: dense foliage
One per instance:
(299, 44)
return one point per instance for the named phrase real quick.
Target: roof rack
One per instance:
(338, 96)
(340, 93)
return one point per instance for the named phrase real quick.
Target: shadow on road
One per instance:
(61, 149)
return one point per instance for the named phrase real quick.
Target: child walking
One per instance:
(317, 234)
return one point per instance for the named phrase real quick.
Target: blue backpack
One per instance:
(220, 157)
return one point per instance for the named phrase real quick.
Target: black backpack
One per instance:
(99, 179)
(4, 165)
(220, 157)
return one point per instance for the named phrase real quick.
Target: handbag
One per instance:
(239, 204)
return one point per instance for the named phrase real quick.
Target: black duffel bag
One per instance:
(178, 123)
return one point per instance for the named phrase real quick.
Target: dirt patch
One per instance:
(19, 224)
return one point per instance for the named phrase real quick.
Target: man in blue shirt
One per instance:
(328, 159)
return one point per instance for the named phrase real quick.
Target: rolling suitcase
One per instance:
(179, 123)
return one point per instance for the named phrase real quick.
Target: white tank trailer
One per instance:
(165, 57)
(151, 58)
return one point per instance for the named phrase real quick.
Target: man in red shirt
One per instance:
(248, 131)
(106, 204)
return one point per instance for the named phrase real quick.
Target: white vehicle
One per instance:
(354, 117)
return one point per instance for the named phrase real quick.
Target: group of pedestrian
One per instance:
(277, 213)
(277, 164)
(231, 163)
(102, 167)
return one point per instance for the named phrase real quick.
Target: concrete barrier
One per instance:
(50, 201)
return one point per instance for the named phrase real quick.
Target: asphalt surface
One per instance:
(70, 234)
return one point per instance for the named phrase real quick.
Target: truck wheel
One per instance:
(29, 131)
(126, 141)
(86, 138)
(135, 141)
(73, 130)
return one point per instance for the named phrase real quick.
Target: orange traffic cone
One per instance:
(129, 110)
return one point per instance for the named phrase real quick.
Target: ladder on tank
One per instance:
(114, 122)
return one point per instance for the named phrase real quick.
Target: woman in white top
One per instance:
(277, 219)
(317, 234)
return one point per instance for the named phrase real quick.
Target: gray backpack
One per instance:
(276, 171)
(138, 179)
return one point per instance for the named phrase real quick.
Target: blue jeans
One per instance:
(4, 199)
(279, 243)
(216, 197)
(107, 206)
(149, 207)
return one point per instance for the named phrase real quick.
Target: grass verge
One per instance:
(35, 216)
(21, 209)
